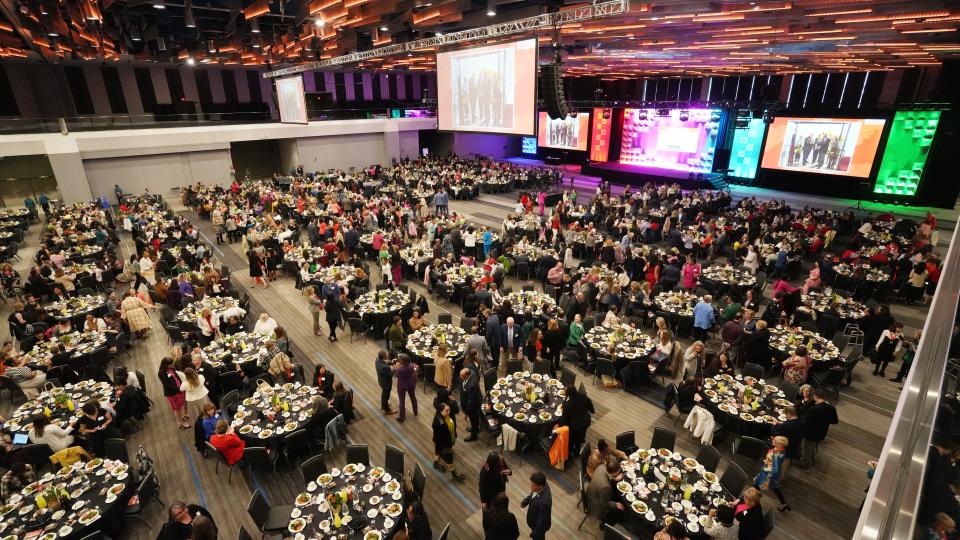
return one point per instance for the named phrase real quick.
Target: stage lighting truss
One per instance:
(664, 112)
(547, 21)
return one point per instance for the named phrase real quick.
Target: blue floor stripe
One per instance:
(195, 474)
(473, 506)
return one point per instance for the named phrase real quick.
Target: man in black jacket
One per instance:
(538, 504)
(818, 419)
(470, 399)
(793, 429)
(384, 369)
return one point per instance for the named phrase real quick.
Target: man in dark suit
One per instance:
(511, 339)
(470, 399)
(384, 369)
(478, 343)
(538, 504)
(351, 239)
(818, 418)
(577, 305)
(793, 429)
(484, 296)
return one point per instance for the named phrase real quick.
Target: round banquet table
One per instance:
(372, 513)
(678, 303)
(377, 308)
(86, 251)
(725, 397)
(631, 347)
(77, 306)
(345, 271)
(422, 343)
(76, 343)
(6, 237)
(872, 275)
(458, 274)
(95, 490)
(244, 346)
(655, 484)
(728, 277)
(846, 309)
(540, 304)
(509, 402)
(217, 304)
(533, 252)
(71, 396)
(786, 340)
(274, 411)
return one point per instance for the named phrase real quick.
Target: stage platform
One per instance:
(638, 175)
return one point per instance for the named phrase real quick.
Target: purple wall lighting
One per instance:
(681, 140)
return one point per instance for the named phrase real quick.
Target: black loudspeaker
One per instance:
(551, 91)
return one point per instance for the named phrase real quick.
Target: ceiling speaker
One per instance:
(551, 91)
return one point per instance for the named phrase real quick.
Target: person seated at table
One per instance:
(323, 379)
(672, 530)
(211, 416)
(14, 480)
(61, 328)
(94, 324)
(342, 401)
(59, 295)
(265, 325)
(29, 380)
(723, 526)
(131, 401)
(416, 321)
(43, 431)
(601, 454)
(96, 424)
(65, 280)
(396, 337)
(232, 326)
(687, 392)
(187, 292)
(227, 442)
(720, 365)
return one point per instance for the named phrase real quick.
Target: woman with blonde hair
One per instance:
(194, 385)
(769, 475)
(749, 514)
(65, 280)
(693, 359)
(443, 374)
(209, 325)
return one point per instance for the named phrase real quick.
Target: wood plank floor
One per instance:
(825, 500)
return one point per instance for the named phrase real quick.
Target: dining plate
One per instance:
(296, 525)
(89, 516)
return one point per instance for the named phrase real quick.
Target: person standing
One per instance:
(769, 476)
(470, 399)
(703, 318)
(334, 316)
(493, 479)
(384, 368)
(498, 522)
(511, 339)
(492, 334)
(539, 504)
(406, 375)
(577, 411)
(818, 418)
(444, 437)
(887, 347)
(316, 306)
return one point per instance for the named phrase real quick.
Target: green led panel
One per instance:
(906, 154)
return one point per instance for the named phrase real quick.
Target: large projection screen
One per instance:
(290, 99)
(567, 133)
(837, 146)
(488, 89)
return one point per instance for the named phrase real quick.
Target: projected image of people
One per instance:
(819, 146)
(483, 89)
(564, 131)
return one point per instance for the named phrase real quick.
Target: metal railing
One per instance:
(12, 125)
(892, 503)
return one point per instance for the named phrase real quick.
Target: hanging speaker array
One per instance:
(551, 90)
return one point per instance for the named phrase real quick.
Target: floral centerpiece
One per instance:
(51, 496)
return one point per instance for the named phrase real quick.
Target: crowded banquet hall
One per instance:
(659, 270)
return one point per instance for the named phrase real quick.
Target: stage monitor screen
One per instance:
(567, 133)
(905, 156)
(675, 139)
(838, 146)
(488, 89)
(290, 98)
(528, 146)
(745, 153)
(600, 136)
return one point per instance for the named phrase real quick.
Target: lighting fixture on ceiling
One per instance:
(491, 9)
(211, 48)
(161, 44)
(188, 20)
(191, 61)
(319, 23)
(684, 115)
(767, 117)
(255, 26)
(256, 44)
(159, 4)
(663, 112)
(134, 31)
(52, 32)
(383, 29)
(206, 60)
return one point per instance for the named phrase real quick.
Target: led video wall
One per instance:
(600, 136)
(567, 133)
(528, 146)
(745, 153)
(839, 146)
(681, 139)
(908, 146)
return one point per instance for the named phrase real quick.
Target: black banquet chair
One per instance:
(358, 453)
(663, 438)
